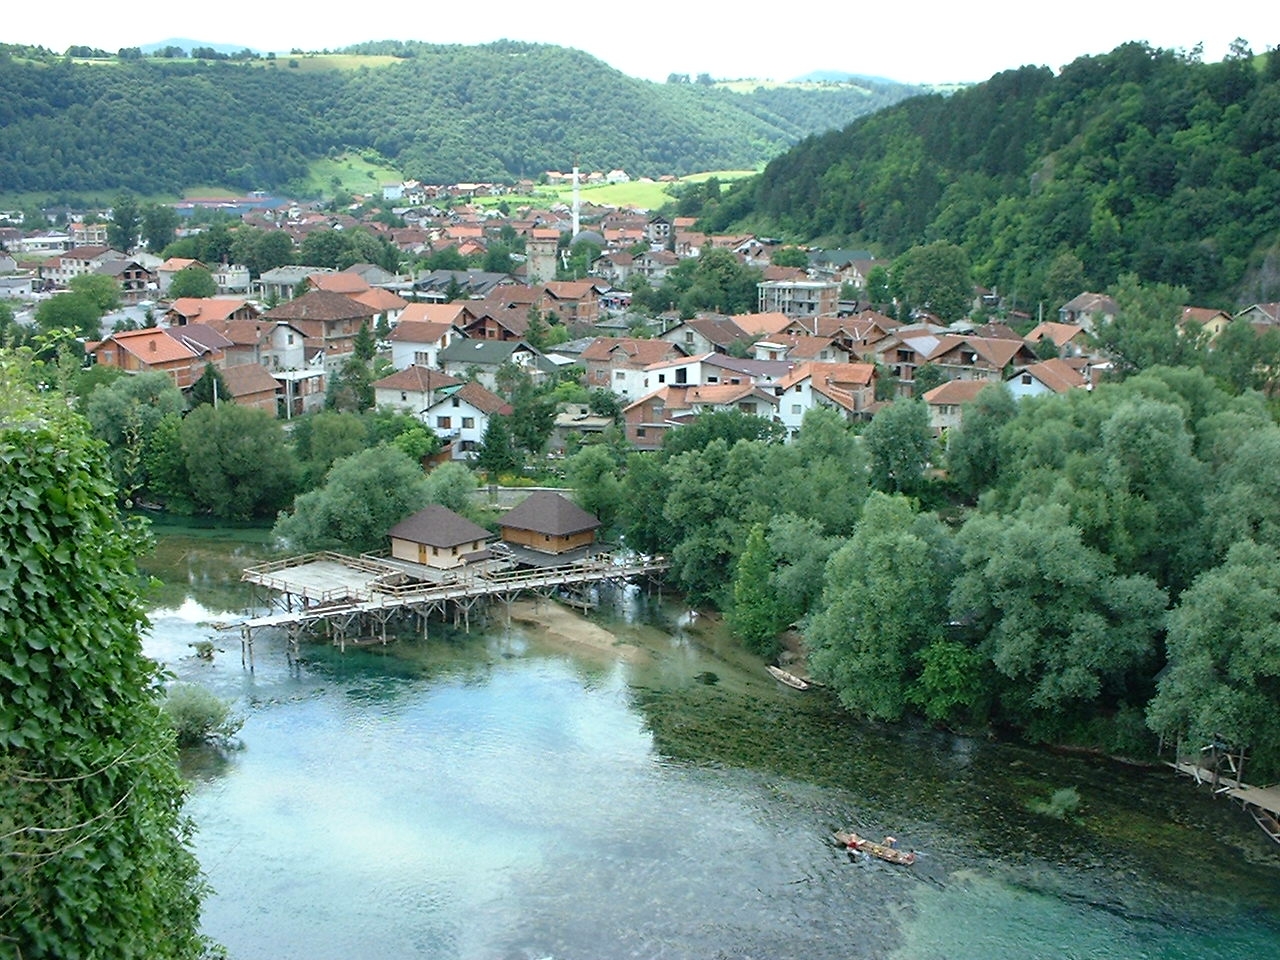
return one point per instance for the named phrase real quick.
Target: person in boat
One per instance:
(891, 842)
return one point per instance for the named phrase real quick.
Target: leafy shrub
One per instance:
(199, 715)
(1059, 805)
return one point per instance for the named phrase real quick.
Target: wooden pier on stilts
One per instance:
(354, 600)
(1261, 803)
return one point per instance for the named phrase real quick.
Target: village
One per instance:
(279, 338)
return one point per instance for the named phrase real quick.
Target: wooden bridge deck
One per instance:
(333, 585)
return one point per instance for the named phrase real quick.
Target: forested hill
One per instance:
(1141, 160)
(501, 111)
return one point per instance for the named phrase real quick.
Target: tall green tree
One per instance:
(883, 601)
(159, 226)
(193, 281)
(362, 498)
(973, 450)
(755, 615)
(104, 291)
(1223, 678)
(935, 277)
(899, 442)
(125, 413)
(329, 435)
(497, 453)
(1146, 330)
(95, 856)
(238, 463)
(209, 388)
(1062, 627)
(126, 218)
(592, 472)
(76, 312)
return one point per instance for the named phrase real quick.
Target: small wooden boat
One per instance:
(790, 679)
(851, 841)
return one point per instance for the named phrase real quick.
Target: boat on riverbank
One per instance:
(851, 841)
(790, 679)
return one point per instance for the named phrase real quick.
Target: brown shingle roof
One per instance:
(419, 379)
(631, 350)
(419, 331)
(348, 283)
(482, 398)
(321, 305)
(441, 313)
(545, 511)
(956, 391)
(245, 379)
(1057, 375)
(438, 526)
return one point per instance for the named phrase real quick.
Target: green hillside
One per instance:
(1139, 160)
(501, 112)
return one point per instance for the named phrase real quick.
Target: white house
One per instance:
(419, 342)
(1048, 376)
(461, 416)
(846, 387)
(412, 390)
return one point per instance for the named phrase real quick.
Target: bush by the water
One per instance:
(1059, 805)
(199, 716)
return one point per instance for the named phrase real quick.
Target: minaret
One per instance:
(577, 204)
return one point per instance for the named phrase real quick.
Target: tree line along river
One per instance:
(505, 794)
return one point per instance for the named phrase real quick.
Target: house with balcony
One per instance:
(848, 388)
(330, 322)
(648, 419)
(152, 349)
(417, 343)
(214, 311)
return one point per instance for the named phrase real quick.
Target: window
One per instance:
(404, 396)
(435, 551)
(421, 358)
(457, 402)
(290, 340)
(1026, 379)
(619, 374)
(688, 337)
(444, 423)
(682, 375)
(639, 431)
(468, 423)
(662, 378)
(795, 408)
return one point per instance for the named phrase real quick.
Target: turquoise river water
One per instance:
(500, 795)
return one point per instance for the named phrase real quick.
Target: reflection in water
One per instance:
(489, 796)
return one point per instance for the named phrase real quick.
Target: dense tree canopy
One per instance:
(364, 496)
(1140, 160)
(499, 111)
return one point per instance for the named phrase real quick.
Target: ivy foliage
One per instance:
(95, 859)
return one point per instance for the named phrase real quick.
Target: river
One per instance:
(494, 796)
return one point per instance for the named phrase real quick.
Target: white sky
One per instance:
(909, 41)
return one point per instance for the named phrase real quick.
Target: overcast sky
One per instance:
(913, 42)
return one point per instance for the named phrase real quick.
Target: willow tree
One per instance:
(94, 847)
